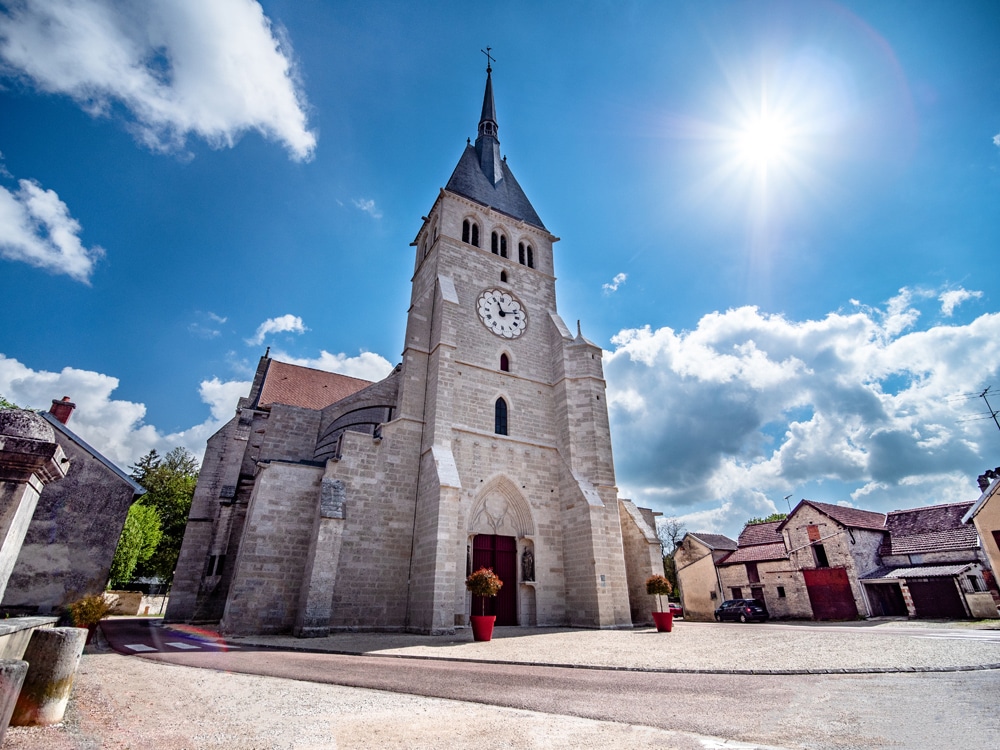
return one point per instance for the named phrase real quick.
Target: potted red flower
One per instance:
(483, 582)
(659, 586)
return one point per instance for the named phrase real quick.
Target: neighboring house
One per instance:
(830, 562)
(985, 516)
(932, 566)
(71, 541)
(697, 577)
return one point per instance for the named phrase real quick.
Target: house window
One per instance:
(820, 552)
(974, 583)
(737, 592)
(500, 421)
(781, 592)
(752, 575)
(713, 595)
(757, 592)
(504, 363)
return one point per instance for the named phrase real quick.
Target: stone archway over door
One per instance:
(500, 553)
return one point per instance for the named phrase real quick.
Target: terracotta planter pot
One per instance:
(482, 627)
(664, 621)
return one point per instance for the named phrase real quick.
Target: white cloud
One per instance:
(996, 140)
(367, 365)
(710, 423)
(953, 298)
(180, 67)
(368, 206)
(36, 228)
(283, 324)
(616, 282)
(115, 427)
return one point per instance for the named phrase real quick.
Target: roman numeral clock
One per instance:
(502, 313)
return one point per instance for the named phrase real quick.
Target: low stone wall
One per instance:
(982, 606)
(133, 603)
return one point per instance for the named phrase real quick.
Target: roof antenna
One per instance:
(489, 59)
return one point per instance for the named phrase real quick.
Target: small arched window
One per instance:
(495, 243)
(520, 253)
(503, 246)
(466, 229)
(475, 234)
(500, 427)
(503, 276)
(504, 363)
(531, 258)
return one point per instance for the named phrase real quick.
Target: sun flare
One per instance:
(763, 141)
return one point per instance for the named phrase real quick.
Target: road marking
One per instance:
(182, 645)
(139, 647)
(963, 636)
(219, 644)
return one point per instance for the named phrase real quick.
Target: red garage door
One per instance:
(936, 597)
(830, 594)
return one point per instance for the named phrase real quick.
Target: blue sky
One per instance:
(780, 219)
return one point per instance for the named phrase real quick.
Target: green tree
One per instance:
(5, 404)
(670, 531)
(772, 517)
(140, 537)
(169, 483)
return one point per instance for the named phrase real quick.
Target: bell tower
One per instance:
(515, 442)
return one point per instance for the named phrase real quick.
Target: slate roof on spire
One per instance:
(484, 177)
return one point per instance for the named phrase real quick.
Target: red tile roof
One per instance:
(761, 533)
(302, 386)
(935, 528)
(715, 541)
(851, 517)
(756, 553)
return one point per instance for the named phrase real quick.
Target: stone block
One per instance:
(53, 654)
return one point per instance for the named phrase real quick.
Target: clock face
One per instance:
(502, 313)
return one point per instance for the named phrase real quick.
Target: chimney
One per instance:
(986, 478)
(62, 409)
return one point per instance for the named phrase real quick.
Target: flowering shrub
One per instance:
(484, 582)
(658, 586)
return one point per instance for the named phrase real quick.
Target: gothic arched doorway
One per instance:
(500, 554)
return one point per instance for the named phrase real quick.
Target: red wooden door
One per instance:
(830, 594)
(500, 554)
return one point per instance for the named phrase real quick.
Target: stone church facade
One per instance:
(329, 503)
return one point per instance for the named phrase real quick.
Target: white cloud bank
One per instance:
(616, 282)
(282, 324)
(117, 428)
(715, 424)
(180, 67)
(36, 228)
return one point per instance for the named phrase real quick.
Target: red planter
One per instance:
(482, 627)
(664, 621)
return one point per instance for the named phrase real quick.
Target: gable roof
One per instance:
(756, 553)
(137, 489)
(761, 533)
(935, 528)
(714, 541)
(850, 517)
(294, 385)
(992, 490)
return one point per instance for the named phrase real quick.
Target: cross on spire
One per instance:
(489, 59)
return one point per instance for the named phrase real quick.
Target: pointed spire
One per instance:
(487, 144)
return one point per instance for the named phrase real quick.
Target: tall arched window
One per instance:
(495, 243)
(500, 427)
(503, 246)
(504, 363)
(520, 253)
(466, 229)
(531, 258)
(475, 234)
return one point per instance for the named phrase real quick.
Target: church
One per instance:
(329, 503)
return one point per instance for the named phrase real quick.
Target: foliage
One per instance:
(670, 531)
(484, 582)
(90, 610)
(5, 404)
(658, 586)
(768, 519)
(139, 540)
(169, 483)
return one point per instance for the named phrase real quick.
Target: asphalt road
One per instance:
(922, 710)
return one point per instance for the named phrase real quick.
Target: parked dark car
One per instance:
(675, 609)
(742, 610)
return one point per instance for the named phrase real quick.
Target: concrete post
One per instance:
(53, 654)
(30, 458)
(12, 672)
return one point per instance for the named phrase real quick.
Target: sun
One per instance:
(763, 141)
